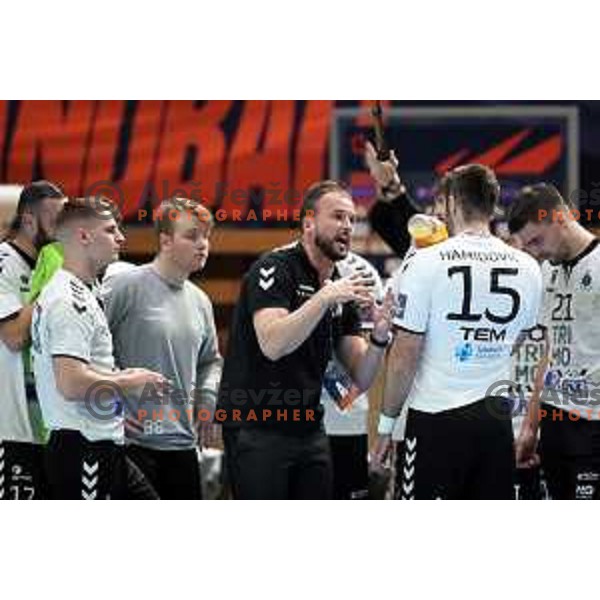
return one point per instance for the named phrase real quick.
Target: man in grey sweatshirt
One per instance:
(161, 321)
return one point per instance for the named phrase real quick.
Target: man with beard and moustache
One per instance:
(293, 312)
(21, 464)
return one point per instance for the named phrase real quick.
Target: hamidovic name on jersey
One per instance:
(470, 296)
(68, 321)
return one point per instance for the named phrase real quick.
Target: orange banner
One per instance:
(232, 154)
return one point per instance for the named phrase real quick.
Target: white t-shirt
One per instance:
(571, 314)
(68, 321)
(337, 382)
(15, 273)
(470, 296)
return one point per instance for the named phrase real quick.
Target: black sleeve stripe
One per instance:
(275, 303)
(10, 317)
(409, 330)
(79, 358)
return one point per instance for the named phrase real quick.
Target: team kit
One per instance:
(481, 350)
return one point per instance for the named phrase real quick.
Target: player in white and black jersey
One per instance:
(461, 306)
(547, 227)
(21, 464)
(79, 390)
(346, 408)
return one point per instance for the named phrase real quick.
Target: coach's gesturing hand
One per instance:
(352, 288)
(280, 332)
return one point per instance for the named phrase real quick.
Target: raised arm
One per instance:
(393, 206)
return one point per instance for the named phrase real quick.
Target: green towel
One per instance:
(50, 260)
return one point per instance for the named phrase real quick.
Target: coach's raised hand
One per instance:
(352, 288)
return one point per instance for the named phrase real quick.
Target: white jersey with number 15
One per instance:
(470, 296)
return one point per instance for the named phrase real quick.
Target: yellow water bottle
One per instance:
(426, 230)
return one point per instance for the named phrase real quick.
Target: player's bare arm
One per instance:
(14, 332)
(74, 377)
(362, 358)
(401, 367)
(526, 442)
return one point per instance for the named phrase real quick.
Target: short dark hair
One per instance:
(530, 200)
(442, 186)
(91, 207)
(30, 197)
(475, 187)
(316, 191)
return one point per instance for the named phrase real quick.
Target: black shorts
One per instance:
(570, 453)
(230, 460)
(174, 474)
(398, 465)
(463, 453)
(350, 466)
(78, 469)
(529, 484)
(276, 465)
(22, 475)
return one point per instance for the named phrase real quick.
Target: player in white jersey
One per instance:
(570, 401)
(21, 464)
(461, 306)
(346, 409)
(79, 390)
